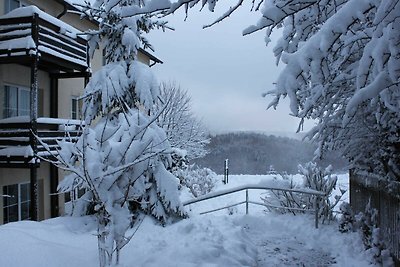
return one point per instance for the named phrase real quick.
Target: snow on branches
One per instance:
(120, 85)
(342, 69)
(183, 129)
(122, 159)
(122, 156)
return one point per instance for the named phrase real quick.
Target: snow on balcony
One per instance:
(29, 31)
(17, 140)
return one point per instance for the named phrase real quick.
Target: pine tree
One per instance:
(122, 155)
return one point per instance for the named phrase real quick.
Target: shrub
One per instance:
(367, 222)
(314, 178)
(200, 181)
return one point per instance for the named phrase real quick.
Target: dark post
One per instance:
(54, 208)
(247, 201)
(53, 96)
(226, 172)
(33, 122)
(316, 210)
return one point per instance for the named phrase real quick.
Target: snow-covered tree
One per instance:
(184, 130)
(342, 69)
(118, 161)
(122, 155)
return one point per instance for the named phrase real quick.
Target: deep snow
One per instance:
(258, 239)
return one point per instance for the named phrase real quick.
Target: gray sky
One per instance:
(224, 72)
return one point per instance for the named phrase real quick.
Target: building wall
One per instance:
(13, 74)
(17, 176)
(143, 58)
(18, 75)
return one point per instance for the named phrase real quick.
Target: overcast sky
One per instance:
(224, 72)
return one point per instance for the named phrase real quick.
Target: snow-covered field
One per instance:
(217, 239)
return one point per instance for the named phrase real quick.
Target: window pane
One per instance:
(11, 5)
(11, 192)
(40, 102)
(25, 192)
(74, 108)
(10, 108)
(79, 109)
(14, 4)
(25, 210)
(23, 102)
(10, 214)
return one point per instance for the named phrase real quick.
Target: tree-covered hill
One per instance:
(253, 153)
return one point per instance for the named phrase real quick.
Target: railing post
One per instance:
(316, 204)
(247, 201)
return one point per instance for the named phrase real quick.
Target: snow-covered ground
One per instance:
(217, 239)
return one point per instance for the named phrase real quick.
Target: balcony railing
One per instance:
(17, 139)
(29, 31)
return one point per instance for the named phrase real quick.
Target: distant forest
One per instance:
(253, 153)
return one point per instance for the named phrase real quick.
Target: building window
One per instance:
(13, 4)
(16, 199)
(16, 101)
(76, 108)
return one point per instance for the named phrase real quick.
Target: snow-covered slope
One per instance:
(259, 239)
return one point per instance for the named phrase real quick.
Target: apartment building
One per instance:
(43, 63)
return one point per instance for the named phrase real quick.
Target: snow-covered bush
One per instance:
(367, 223)
(282, 198)
(314, 178)
(319, 179)
(179, 163)
(347, 219)
(200, 181)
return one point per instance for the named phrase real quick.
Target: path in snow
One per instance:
(283, 250)
(280, 242)
(287, 240)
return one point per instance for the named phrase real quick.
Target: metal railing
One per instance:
(318, 195)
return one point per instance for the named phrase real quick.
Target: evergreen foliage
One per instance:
(122, 155)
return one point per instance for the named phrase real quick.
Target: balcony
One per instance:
(18, 143)
(28, 32)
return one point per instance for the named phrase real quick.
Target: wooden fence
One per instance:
(388, 206)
